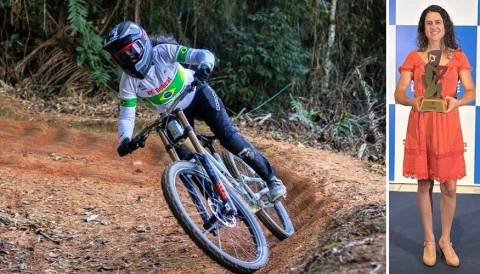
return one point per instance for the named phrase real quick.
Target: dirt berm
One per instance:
(56, 174)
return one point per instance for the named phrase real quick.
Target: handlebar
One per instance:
(140, 139)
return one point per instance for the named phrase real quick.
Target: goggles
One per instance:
(129, 55)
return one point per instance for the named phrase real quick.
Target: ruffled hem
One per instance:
(434, 177)
(423, 165)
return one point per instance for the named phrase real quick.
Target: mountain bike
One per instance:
(252, 189)
(202, 198)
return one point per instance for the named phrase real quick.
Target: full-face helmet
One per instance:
(131, 48)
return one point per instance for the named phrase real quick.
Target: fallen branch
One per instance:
(263, 119)
(46, 236)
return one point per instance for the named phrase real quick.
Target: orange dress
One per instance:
(434, 145)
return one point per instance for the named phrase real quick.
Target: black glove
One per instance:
(203, 72)
(125, 147)
(139, 141)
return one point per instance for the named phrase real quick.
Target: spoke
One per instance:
(197, 200)
(192, 192)
(237, 239)
(236, 236)
(198, 210)
(234, 249)
(197, 213)
(204, 187)
(245, 252)
(218, 236)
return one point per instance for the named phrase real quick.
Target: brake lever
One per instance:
(196, 83)
(139, 140)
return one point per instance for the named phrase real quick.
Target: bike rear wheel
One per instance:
(273, 216)
(236, 242)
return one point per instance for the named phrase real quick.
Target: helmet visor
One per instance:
(129, 55)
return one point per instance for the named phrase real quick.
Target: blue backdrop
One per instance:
(403, 16)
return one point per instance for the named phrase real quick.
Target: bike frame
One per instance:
(214, 162)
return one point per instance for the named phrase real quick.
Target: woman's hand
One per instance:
(416, 102)
(452, 103)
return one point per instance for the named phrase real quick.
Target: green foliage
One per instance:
(263, 56)
(12, 45)
(261, 48)
(301, 113)
(5, 3)
(101, 125)
(345, 126)
(90, 51)
(77, 14)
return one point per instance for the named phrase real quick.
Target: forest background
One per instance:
(314, 68)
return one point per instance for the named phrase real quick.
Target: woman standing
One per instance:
(434, 143)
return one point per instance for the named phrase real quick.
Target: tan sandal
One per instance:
(429, 253)
(449, 254)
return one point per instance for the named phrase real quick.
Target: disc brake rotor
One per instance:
(226, 220)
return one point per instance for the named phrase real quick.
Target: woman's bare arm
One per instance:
(401, 91)
(469, 88)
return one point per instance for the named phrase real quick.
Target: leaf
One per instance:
(361, 150)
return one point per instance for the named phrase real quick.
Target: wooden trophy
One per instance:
(433, 100)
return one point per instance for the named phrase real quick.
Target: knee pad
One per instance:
(247, 154)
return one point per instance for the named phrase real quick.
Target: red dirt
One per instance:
(52, 176)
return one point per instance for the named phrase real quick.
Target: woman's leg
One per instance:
(424, 201)
(425, 205)
(448, 201)
(208, 107)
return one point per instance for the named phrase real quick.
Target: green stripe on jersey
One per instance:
(182, 54)
(128, 102)
(170, 91)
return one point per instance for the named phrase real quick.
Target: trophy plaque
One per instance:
(433, 100)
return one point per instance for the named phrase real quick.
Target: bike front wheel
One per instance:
(273, 215)
(236, 242)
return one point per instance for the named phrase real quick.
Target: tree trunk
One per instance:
(106, 25)
(331, 40)
(315, 64)
(137, 11)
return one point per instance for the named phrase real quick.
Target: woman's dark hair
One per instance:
(449, 38)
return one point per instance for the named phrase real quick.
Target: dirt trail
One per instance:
(53, 176)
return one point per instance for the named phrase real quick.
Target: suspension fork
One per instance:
(217, 183)
(203, 158)
(186, 180)
(168, 147)
(189, 131)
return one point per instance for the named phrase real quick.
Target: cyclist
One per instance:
(154, 73)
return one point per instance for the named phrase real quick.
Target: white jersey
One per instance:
(165, 80)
